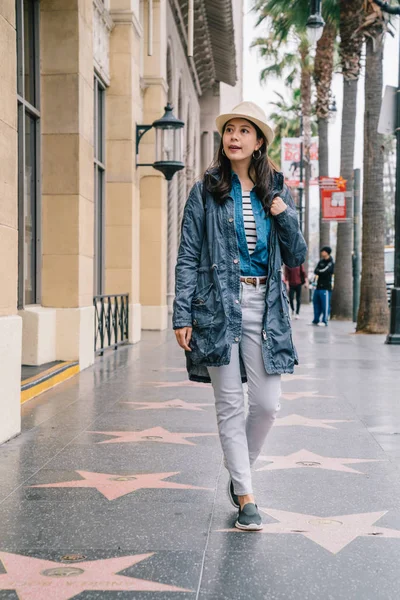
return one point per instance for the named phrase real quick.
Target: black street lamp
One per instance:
(301, 182)
(169, 143)
(394, 330)
(332, 110)
(315, 22)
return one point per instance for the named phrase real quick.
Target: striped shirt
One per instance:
(249, 222)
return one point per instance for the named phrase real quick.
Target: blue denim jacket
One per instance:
(255, 264)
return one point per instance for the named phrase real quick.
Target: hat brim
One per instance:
(221, 120)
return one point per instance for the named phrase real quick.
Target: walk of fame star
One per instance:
(332, 533)
(155, 434)
(168, 404)
(36, 579)
(303, 459)
(113, 486)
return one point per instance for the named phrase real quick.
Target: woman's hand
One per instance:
(183, 337)
(278, 206)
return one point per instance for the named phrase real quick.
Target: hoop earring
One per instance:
(223, 152)
(259, 155)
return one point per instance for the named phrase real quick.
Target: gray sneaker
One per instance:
(232, 496)
(249, 518)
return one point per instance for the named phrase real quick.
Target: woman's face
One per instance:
(240, 140)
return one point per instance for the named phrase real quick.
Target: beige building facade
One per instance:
(78, 219)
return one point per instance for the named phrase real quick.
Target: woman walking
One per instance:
(231, 311)
(295, 278)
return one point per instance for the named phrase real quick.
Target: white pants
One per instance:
(242, 438)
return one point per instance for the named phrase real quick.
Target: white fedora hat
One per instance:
(251, 112)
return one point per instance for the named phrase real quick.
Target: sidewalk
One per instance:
(116, 487)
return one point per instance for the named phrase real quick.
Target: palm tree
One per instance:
(285, 118)
(293, 14)
(351, 40)
(373, 314)
(287, 23)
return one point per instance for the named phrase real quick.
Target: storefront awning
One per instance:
(214, 55)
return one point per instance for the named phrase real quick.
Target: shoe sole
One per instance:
(230, 496)
(250, 527)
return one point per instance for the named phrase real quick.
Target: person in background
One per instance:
(295, 278)
(321, 297)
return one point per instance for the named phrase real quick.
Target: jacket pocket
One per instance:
(202, 298)
(202, 321)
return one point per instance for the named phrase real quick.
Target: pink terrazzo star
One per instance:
(332, 533)
(297, 395)
(293, 420)
(303, 459)
(168, 404)
(114, 486)
(36, 579)
(155, 434)
(185, 383)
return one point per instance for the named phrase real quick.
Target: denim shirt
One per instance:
(255, 264)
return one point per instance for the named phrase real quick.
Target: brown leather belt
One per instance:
(253, 280)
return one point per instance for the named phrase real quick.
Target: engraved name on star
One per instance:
(36, 579)
(113, 486)
(293, 420)
(304, 459)
(298, 395)
(332, 533)
(172, 369)
(182, 404)
(185, 383)
(154, 434)
(298, 377)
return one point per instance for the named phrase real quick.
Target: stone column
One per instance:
(153, 186)
(67, 174)
(10, 323)
(124, 110)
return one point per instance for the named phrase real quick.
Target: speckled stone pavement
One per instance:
(116, 487)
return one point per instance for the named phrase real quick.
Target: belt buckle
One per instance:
(251, 281)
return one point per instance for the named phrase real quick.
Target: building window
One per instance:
(99, 184)
(29, 206)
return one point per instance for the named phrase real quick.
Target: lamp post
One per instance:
(332, 111)
(393, 336)
(301, 182)
(169, 143)
(394, 330)
(315, 22)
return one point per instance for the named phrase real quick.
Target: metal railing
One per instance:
(111, 321)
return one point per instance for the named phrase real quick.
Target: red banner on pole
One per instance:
(333, 198)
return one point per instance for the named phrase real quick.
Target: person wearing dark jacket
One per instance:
(230, 314)
(321, 298)
(295, 278)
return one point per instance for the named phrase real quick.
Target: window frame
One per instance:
(24, 109)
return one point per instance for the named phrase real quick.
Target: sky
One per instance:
(263, 94)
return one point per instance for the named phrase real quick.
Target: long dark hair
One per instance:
(218, 178)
